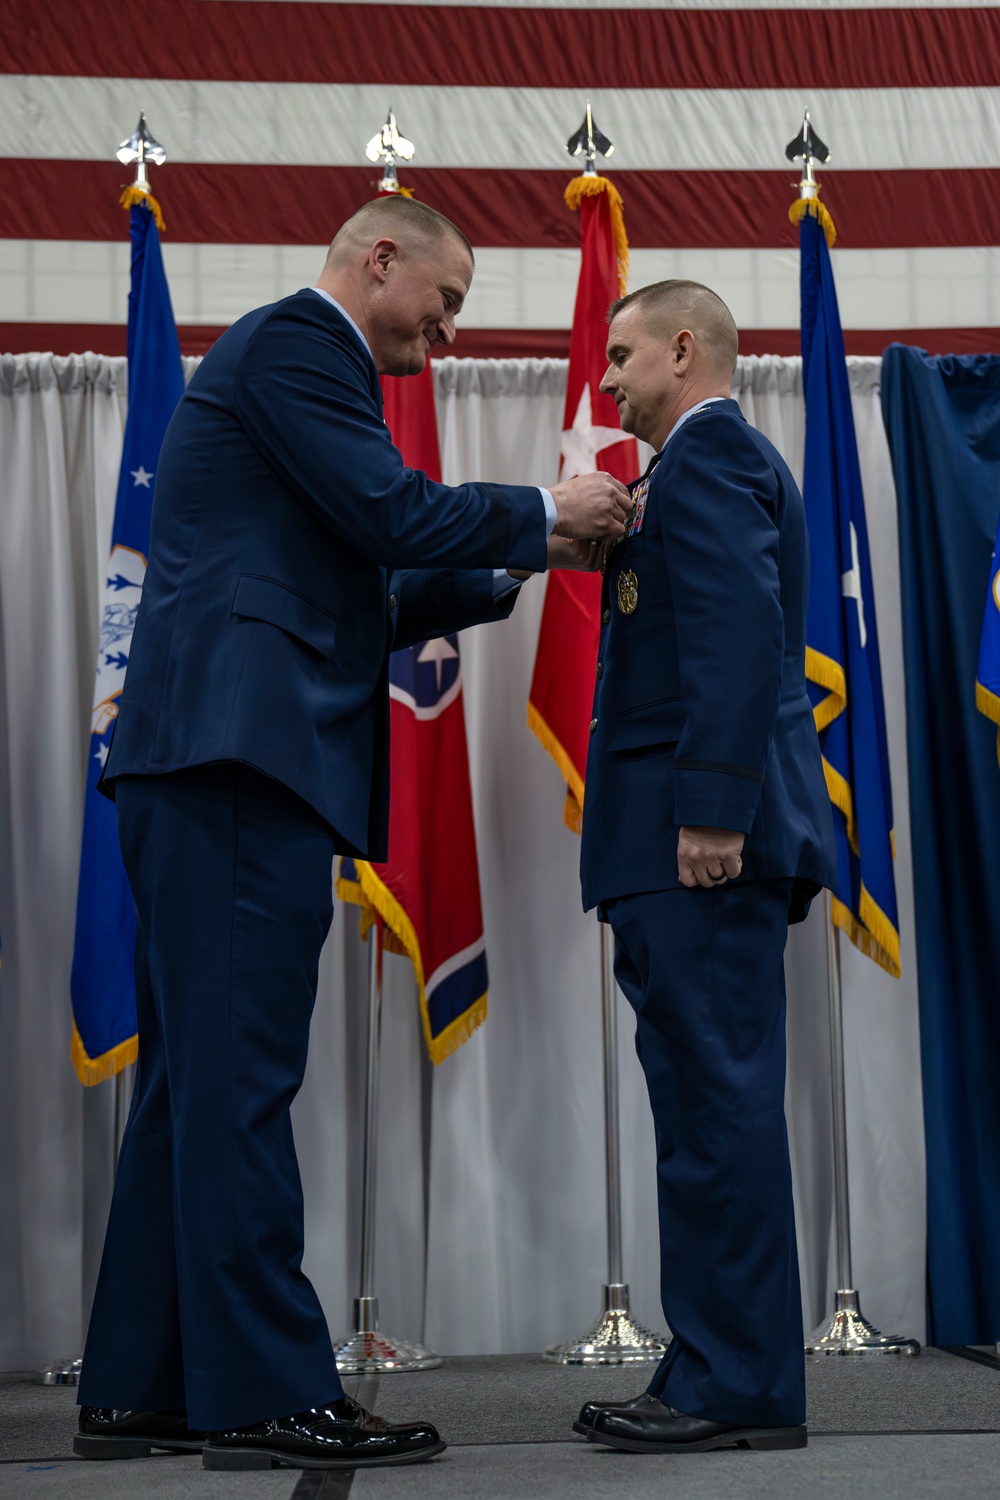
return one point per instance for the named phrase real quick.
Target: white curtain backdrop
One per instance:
(491, 1232)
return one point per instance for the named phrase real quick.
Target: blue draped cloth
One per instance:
(942, 417)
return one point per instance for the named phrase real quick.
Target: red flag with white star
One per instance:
(562, 688)
(427, 892)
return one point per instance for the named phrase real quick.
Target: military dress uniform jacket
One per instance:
(700, 711)
(269, 606)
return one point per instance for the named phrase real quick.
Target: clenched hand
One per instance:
(591, 506)
(708, 856)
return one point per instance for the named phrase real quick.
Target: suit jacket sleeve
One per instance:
(721, 540)
(439, 601)
(307, 396)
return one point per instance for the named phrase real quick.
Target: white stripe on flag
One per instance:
(71, 281)
(653, 129)
(451, 965)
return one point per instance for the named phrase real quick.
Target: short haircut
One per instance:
(395, 215)
(688, 304)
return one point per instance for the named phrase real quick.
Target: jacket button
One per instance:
(606, 617)
(593, 725)
(600, 669)
(392, 602)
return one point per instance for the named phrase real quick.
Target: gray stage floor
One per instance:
(913, 1428)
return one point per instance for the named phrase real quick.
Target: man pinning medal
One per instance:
(706, 830)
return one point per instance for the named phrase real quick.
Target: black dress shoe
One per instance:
(106, 1433)
(341, 1435)
(651, 1427)
(590, 1409)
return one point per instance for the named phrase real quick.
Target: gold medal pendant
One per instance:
(628, 592)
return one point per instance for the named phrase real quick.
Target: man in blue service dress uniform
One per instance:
(706, 830)
(252, 746)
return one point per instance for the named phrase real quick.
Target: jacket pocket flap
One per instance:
(266, 599)
(658, 723)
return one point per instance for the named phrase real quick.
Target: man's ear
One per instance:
(683, 350)
(381, 256)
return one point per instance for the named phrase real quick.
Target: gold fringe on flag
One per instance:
(592, 187)
(91, 1070)
(573, 808)
(132, 196)
(989, 704)
(818, 210)
(399, 936)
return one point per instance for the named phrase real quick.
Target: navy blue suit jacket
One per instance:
(270, 604)
(701, 714)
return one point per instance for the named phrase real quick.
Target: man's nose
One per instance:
(446, 330)
(609, 380)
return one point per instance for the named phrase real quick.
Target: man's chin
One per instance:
(411, 362)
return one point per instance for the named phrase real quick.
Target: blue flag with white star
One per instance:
(103, 981)
(842, 658)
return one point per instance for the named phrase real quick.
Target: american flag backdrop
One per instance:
(265, 107)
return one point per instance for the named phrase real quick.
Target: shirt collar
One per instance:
(344, 314)
(690, 413)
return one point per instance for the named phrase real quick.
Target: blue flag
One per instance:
(988, 669)
(103, 981)
(842, 658)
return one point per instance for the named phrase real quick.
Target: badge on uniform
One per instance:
(637, 515)
(628, 592)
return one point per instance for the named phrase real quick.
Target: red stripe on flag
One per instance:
(519, 343)
(297, 205)
(499, 343)
(499, 47)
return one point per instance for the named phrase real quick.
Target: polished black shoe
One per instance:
(106, 1433)
(651, 1427)
(341, 1435)
(590, 1409)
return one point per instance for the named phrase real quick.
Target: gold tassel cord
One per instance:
(133, 196)
(817, 210)
(592, 187)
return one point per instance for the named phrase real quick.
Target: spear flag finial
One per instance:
(589, 140)
(386, 147)
(141, 148)
(807, 148)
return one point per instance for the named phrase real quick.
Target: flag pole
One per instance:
(616, 1338)
(847, 1331)
(367, 1350)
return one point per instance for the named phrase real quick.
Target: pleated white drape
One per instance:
(491, 1229)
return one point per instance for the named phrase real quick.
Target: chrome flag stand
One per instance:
(848, 1331)
(368, 1351)
(616, 1338)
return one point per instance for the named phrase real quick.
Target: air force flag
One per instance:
(103, 983)
(842, 658)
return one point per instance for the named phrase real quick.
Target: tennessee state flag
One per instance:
(988, 669)
(103, 980)
(427, 893)
(842, 658)
(562, 687)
